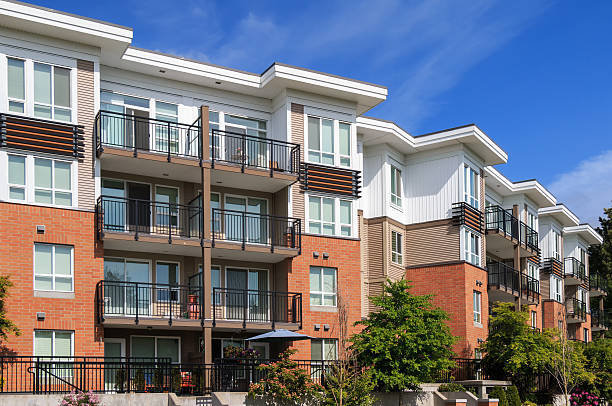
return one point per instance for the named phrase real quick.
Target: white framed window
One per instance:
(156, 347)
(533, 270)
(54, 343)
(534, 319)
(324, 349)
(166, 112)
(471, 186)
(330, 216)
(582, 255)
(52, 92)
(583, 297)
(471, 247)
(53, 267)
(167, 273)
(323, 286)
(585, 334)
(16, 85)
(532, 220)
(560, 325)
(17, 177)
(556, 288)
(344, 141)
(52, 182)
(396, 187)
(555, 244)
(396, 248)
(329, 141)
(477, 299)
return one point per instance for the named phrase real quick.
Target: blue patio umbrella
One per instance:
(279, 336)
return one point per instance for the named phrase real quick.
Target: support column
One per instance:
(517, 256)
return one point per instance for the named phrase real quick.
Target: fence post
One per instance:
(273, 310)
(169, 142)
(243, 215)
(137, 304)
(272, 223)
(243, 157)
(271, 163)
(245, 304)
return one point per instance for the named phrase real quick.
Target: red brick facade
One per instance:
(453, 285)
(18, 235)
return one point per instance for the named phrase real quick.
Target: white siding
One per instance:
(373, 186)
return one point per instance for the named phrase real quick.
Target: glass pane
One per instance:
(313, 134)
(213, 116)
(114, 269)
(330, 349)
(63, 284)
(316, 350)
(314, 208)
(42, 259)
(42, 173)
(135, 101)
(345, 212)
(62, 260)
(137, 271)
(166, 109)
(168, 348)
(43, 196)
(328, 229)
(166, 273)
(345, 231)
(327, 135)
(329, 300)
(16, 107)
(16, 167)
(43, 283)
(327, 159)
(63, 198)
(42, 83)
(112, 188)
(315, 280)
(42, 343)
(61, 87)
(246, 122)
(63, 344)
(345, 161)
(143, 347)
(314, 156)
(328, 210)
(16, 193)
(329, 280)
(314, 228)
(62, 114)
(345, 139)
(16, 87)
(62, 175)
(42, 111)
(166, 195)
(316, 299)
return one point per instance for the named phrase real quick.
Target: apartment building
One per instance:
(157, 206)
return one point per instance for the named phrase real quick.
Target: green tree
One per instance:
(499, 393)
(6, 326)
(599, 362)
(600, 256)
(406, 342)
(512, 396)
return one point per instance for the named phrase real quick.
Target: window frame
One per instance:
(396, 195)
(53, 189)
(534, 319)
(10, 99)
(556, 244)
(468, 255)
(53, 275)
(397, 239)
(24, 186)
(52, 105)
(322, 342)
(53, 342)
(337, 223)
(155, 337)
(337, 156)
(477, 307)
(322, 292)
(556, 288)
(471, 199)
(171, 290)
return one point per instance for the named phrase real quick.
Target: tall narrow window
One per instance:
(556, 245)
(53, 267)
(16, 85)
(471, 186)
(534, 319)
(345, 218)
(471, 247)
(585, 335)
(477, 296)
(321, 140)
(396, 186)
(396, 247)
(345, 144)
(167, 274)
(166, 134)
(323, 286)
(17, 177)
(556, 288)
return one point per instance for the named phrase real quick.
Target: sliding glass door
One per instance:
(257, 304)
(252, 221)
(125, 298)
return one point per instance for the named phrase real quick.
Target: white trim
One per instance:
(53, 331)
(121, 341)
(337, 225)
(52, 275)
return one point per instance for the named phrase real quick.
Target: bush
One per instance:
(451, 387)
(139, 380)
(512, 396)
(529, 403)
(584, 398)
(499, 393)
(120, 375)
(176, 380)
(80, 399)
(348, 385)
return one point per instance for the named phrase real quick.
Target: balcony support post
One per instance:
(245, 304)
(137, 303)
(168, 130)
(273, 312)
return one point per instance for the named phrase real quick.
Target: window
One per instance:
(215, 282)
(585, 335)
(53, 267)
(560, 325)
(167, 273)
(215, 216)
(532, 220)
(471, 186)
(471, 247)
(16, 85)
(533, 270)
(556, 245)
(534, 319)
(582, 296)
(166, 112)
(17, 177)
(322, 216)
(582, 255)
(325, 349)
(156, 347)
(477, 307)
(556, 288)
(396, 186)
(52, 92)
(166, 207)
(345, 144)
(322, 286)
(396, 247)
(53, 343)
(52, 182)
(322, 138)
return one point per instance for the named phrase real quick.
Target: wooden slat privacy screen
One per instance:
(465, 214)
(41, 135)
(321, 178)
(553, 266)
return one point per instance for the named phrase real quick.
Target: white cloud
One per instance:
(587, 188)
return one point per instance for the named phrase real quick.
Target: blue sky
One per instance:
(536, 76)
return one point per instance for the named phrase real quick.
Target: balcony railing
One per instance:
(530, 287)
(503, 276)
(574, 268)
(256, 306)
(501, 220)
(146, 134)
(576, 308)
(148, 217)
(147, 300)
(529, 237)
(599, 318)
(249, 151)
(259, 229)
(598, 282)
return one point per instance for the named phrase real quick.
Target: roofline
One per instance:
(559, 208)
(522, 186)
(586, 229)
(448, 129)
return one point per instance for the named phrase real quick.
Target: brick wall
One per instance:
(552, 312)
(18, 235)
(452, 285)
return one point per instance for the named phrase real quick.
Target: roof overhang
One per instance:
(376, 131)
(560, 213)
(530, 188)
(586, 232)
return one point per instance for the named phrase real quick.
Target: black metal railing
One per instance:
(530, 287)
(552, 265)
(598, 282)
(600, 318)
(148, 217)
(574, 268)
(253, 228)
(249, 151)
(465, 214)
(503, 276)
(466, 369)
(502, 220)
(147, 300)
(529, 237)
(136, 133)
(576, 308)
(256, 306)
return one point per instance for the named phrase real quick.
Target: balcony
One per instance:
(598, 285)
(254, 237)
(506, 283)
(149, 226)
(600, 320)
(469, 216)
(248, 162)
(147, 146)
(256, 309)
(576, 310)
(505, 231)
(552, 266)
(574, 272)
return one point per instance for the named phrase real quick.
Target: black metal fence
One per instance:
(529, 237)
(600, 319)
(256, 306)
(530, 287)
(576, 308)
(598, 282)
(249, 151)
(466, 369)
(148, 217)
(502, 220)
(137, 133)
(503, 276)
(574, 268)
(253, 228)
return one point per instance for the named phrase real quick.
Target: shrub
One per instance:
(120, 375)
(529, 403)
(584, 398)
(499, 393)
(139, 380)
(451, 387)
(80, 399)
(348, 385)
(232, 351)
(176, 380)
(158, 379)
(512, 396)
